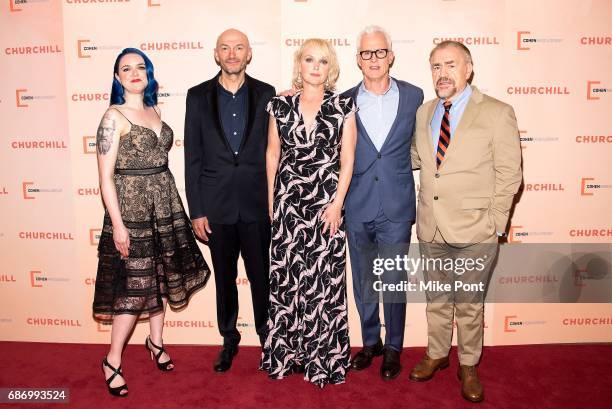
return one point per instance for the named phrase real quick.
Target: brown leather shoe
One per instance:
(427, 367)
(471, 388)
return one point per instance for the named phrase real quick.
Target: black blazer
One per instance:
(221, 185)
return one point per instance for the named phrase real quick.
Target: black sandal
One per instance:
(162, 366)
(115, 391)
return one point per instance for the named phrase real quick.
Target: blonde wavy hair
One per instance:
(328, 52)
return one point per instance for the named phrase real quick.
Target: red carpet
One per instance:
(533, 376)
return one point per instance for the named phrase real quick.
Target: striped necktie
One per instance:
(445, 134)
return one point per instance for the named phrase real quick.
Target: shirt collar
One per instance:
(461, 98)
(392, 87)
(240, 91)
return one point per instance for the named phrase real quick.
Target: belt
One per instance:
(141, 172)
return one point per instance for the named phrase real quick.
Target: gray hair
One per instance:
(371, 30)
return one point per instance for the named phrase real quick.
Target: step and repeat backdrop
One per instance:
(552, 60)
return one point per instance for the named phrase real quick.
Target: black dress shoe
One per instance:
(363, 358)
(224, 360)
(391, 366)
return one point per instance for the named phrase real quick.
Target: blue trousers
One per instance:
(367, 240)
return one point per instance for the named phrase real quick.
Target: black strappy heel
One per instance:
(115, 391)
(162, 366)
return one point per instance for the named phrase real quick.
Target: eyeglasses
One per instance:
(367, 54)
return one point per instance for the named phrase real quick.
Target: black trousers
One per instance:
(226, 243)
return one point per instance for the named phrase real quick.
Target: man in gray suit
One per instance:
(380, 205)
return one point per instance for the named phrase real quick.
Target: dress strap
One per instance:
(155, 109)
(123, 115)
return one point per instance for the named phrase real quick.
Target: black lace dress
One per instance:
(164, 259)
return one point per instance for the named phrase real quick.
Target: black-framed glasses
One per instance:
(367, 54)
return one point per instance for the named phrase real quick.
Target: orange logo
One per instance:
(584, 186)
(521, 138)
(508, 323)
(18, 98)
(579, 276)
(33, 278)
(512, 234)
(89, 144)
(24, 190)
(94, 236)
(519, 40)
(590, 90)
(81, 48)
(13, 6)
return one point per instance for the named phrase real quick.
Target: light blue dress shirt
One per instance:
(377, 112)
(454, 116)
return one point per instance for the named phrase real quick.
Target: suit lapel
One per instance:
(430, 114)
(400, 108)
(251, 111)
(354, 93)
(213, 100)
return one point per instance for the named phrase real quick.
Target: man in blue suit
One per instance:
(380, 205)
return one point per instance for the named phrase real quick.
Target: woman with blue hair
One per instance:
(148, 255)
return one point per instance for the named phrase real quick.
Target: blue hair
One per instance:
(150, 92)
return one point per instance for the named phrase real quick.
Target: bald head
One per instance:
(233, 36)
(233, 52)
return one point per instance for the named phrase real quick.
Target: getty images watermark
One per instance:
(510, 273)
(412, 265)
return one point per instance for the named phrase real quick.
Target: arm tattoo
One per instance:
(104, 138)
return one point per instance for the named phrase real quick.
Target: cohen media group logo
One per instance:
(94, 236)
(512, 323)
(163, 96)
(588, 274)
(590, 186)
(23, 98)
(595, 91)
(525, 40)
(18, 5)
(517, 234)
(528, 139)
(89, 145)
(243, 325)
(39, 279)
(31, 190)
(86, 48)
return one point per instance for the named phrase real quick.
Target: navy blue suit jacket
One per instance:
(385, 178)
